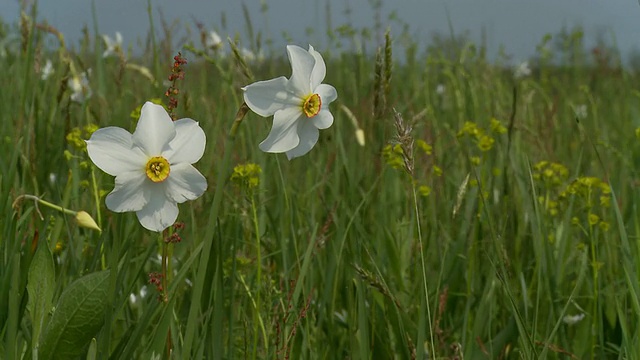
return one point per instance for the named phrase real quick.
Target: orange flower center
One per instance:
(311, 105)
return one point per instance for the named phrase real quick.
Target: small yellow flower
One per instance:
(469, 128)
(392, 155)
(437, 170)
(485, 142)
(58, 248)
(497, 127)
(424, 190)
(90, 129)
(422, 145)
(74, 138)
(604, 225)
(246, 175)
(475, 160)
(593, 219)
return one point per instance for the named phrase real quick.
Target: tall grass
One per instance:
(514, 235)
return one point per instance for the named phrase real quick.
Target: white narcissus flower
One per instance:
(581, 111)
(152, 166)
(213, 40)
(299, 105)
(79, 85)
(522, 70)
(114, 47)
(47, 70)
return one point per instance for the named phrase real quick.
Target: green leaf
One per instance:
(41, 286)
(77, 318)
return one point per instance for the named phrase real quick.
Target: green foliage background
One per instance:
(519, 213)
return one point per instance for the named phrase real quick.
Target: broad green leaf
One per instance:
(77, 318)
(41, 286)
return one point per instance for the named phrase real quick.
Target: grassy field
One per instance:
(485, 216)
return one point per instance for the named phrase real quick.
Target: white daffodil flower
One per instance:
(152, 166)
(523, 70)
(79, 86)
(581, 111)
(47, 70)
(114, 47)
(213, 40)
(299, 105)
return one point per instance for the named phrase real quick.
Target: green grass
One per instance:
(485, 261)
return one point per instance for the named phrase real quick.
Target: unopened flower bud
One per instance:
(86, 221)
(360, 137)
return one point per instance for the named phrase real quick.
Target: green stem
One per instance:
(424, 271)
(165, 259)
(257, 319)
(45, 203)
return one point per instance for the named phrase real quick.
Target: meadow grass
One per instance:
(484, 217)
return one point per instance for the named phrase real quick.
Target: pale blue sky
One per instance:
(517, 24)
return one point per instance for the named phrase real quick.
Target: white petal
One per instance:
(132, 192)
(112, 150)
(323, 120)
(308, 138)
(158, 214)
(328, 94)
(302, 64)
(154, 130)
(188, 145)
(185, 183)
(107, 40)
(118, 38)
(319, 69)
(283, 136)
(266, 97)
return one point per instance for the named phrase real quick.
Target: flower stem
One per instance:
(424, 271)
(257, 319)
(96, 197)
(45, 203)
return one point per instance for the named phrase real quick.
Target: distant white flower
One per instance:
(573, 319)
(247, 54)
(440, 89)
(299, 105)
(53, 178)
(114, 47)
(152, 166)
(47, 70)
(133, 298)
(250, 56)
(213, 40)
(79, 86)
(581, 111)
(522, 70)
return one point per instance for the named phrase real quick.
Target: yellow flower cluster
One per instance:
(246, 176)
(77, 136)
(593, 196)
(551, 174)
(394, 157)
(482, 138)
